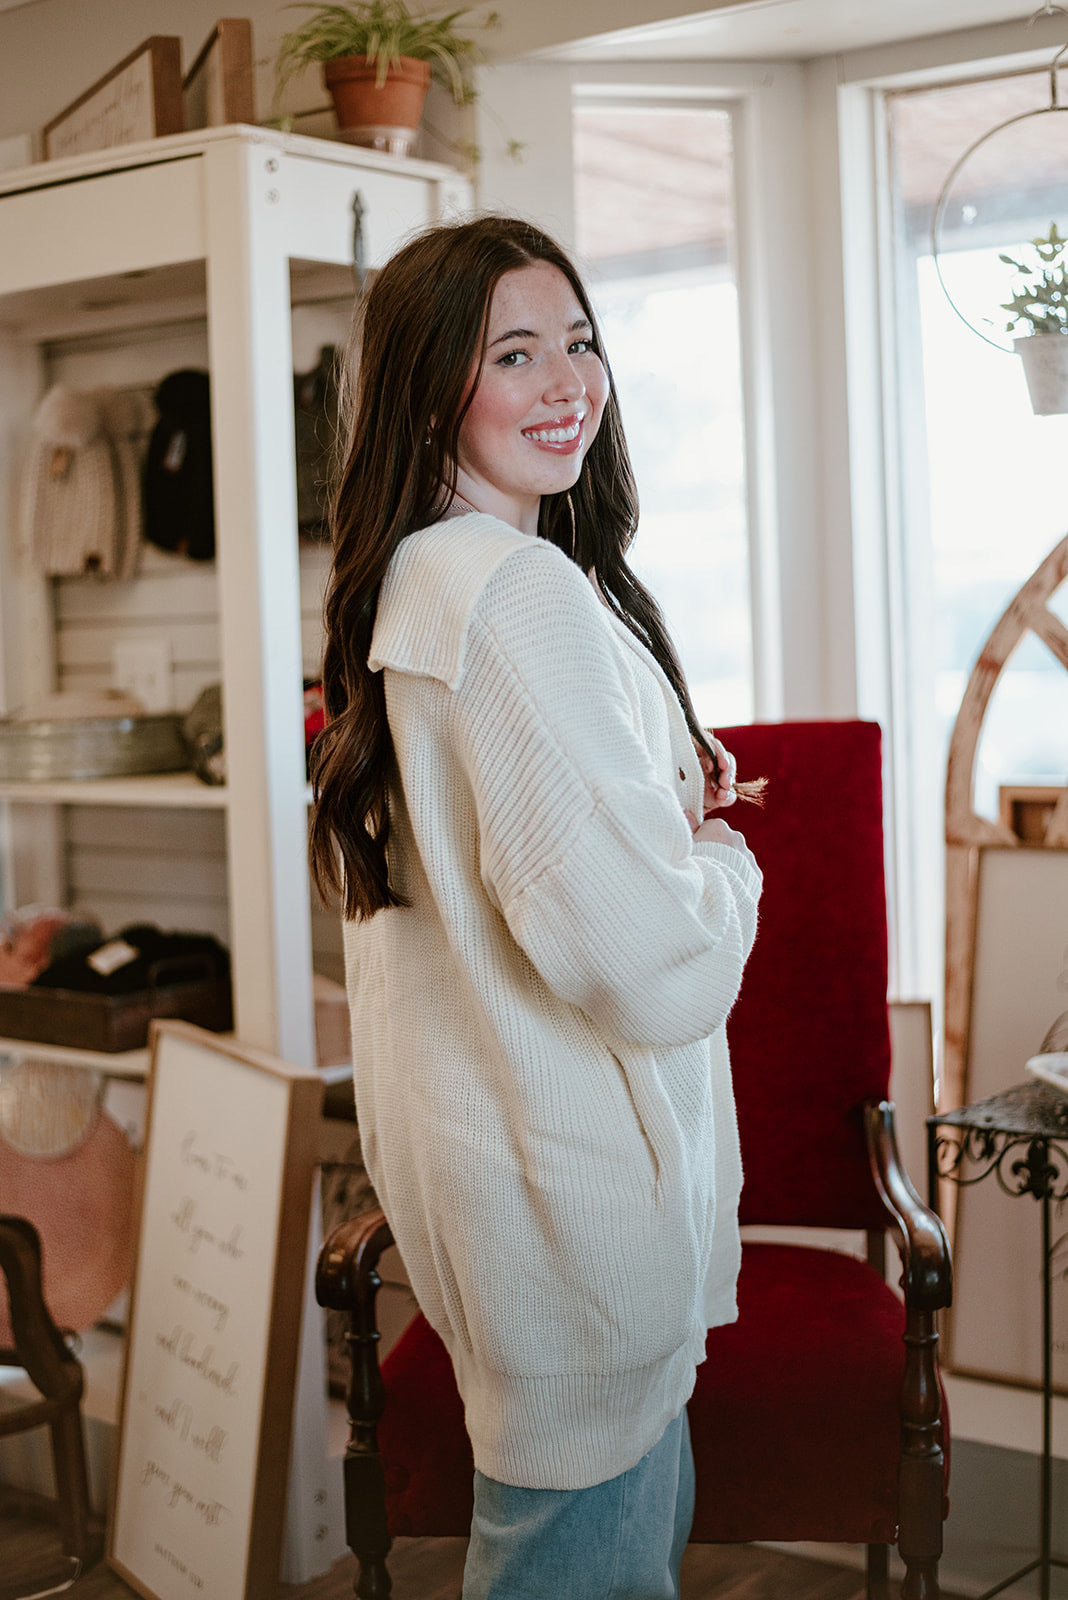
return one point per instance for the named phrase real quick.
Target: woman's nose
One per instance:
(564, 381)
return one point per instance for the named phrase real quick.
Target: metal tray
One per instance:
(51, 750)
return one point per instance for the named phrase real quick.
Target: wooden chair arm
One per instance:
(927, 1282)
(345, 1275)
(40, 1348)
(346, 1280)
(927, 1274)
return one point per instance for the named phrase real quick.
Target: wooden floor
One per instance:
(431, 1569)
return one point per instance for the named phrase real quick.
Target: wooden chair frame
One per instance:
(59, 1379)
(347, 1281)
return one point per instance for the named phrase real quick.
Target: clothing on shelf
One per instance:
(34, 936)
(179, 500)
(81, 492)
(140, 956)
(315, 417)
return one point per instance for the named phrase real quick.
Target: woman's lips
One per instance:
(563, 437)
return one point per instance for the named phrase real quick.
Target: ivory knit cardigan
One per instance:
(541, 1071)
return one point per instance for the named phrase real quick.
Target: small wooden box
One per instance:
(1032, 812)
(111, 1022)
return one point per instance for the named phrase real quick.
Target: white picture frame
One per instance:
(216, 1302)
(1019, 989)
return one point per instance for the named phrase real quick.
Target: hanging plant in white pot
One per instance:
(1039, 307)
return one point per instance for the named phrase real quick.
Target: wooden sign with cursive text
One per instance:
(139, 99)
(204, 1435)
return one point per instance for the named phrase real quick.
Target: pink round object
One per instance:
(81, 1203)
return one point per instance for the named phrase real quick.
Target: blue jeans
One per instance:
(620, 1540)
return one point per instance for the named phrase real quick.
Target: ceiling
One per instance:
(752, 29)
(784, 29)
(776, 29)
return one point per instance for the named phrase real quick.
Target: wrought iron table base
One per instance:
(1032, 1117)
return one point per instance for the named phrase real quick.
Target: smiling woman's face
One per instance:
(539, 401)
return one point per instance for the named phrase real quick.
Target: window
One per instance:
(982, 477)
(654, 215)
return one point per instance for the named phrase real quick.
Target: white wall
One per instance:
(52, 50)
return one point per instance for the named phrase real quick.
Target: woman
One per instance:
(543, 940)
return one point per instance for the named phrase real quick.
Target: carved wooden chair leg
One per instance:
(56, 1373)
(82, 1533)
(927, 1282)
(921, 1475)
(878, 1572)
(346, 1280)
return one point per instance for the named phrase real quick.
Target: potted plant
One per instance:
(1039, 307)
(377, 60)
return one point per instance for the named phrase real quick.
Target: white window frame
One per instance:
(534, 101)
(863, 467)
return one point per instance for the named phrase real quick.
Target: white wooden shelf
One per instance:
(156, 789)
(126, 1063)
(183, 146)
(115, 1063)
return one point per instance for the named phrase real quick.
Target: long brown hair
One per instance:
(423, 333)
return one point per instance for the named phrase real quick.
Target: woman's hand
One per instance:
(719, 776)
(715, 831)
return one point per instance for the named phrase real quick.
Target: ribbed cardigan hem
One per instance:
(572, 1430)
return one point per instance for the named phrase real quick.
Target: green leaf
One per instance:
(383, 31)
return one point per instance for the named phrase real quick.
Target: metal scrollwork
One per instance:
(1041, 1170)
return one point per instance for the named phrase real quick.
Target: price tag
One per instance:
(111, 956)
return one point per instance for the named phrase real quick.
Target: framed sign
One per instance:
(1019, 992)
(220, 86)
(141, 98)
(216, 1302)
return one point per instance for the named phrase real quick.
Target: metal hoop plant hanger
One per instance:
(1054, 108)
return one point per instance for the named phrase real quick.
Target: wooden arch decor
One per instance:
(967, 833)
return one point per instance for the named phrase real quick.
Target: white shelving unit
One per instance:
(224, 230)
(201, 249)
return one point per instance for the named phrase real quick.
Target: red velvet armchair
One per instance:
(819, 1414)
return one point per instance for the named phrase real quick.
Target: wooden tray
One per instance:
(111, 1022)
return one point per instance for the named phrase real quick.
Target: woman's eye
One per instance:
(581, 347)
(512, 358)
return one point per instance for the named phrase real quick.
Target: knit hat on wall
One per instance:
(81, 503)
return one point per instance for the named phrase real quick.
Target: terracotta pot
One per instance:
(383, 118)
(1045, 364)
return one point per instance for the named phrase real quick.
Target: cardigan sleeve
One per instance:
(584, 848)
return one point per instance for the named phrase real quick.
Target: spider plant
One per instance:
(1040, 301)
(383, 31)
